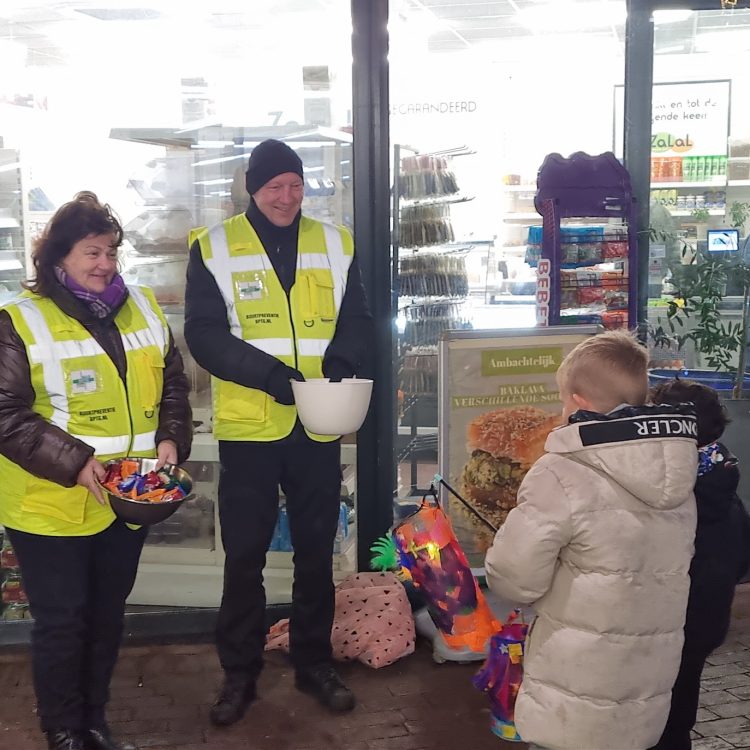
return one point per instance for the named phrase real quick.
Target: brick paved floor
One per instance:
(161, 694)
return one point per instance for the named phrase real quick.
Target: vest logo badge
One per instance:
(83, 381)
(249, 290)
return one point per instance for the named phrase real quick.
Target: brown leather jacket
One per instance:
(45, 450)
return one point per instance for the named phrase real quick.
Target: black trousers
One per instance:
(77, 587)
(310, 475)
(685, 697)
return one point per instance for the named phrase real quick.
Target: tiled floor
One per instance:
(724, 716)
(161, 696)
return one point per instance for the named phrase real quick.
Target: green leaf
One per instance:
(385, 554)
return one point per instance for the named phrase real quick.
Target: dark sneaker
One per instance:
(64, 739)
(236, 694)
(100, 738)
(323, 683)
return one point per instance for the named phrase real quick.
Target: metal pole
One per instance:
(375, 452)
(639, 79)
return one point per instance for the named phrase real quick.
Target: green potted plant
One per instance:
(695, 312)
(739, 211)
(700, 215)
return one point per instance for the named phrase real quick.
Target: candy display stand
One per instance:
(585, 252)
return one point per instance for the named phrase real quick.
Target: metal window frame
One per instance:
(639, 81)
(371, 164)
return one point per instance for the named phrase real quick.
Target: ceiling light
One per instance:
(668, 15)
(670, 49)
(730, 41)
(565, 15)
(12, 55)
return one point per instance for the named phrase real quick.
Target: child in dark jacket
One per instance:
(722, 550)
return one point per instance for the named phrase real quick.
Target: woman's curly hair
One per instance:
(82, 217)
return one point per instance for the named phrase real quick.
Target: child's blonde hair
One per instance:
(607, 370)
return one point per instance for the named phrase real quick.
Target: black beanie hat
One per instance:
(267, 160)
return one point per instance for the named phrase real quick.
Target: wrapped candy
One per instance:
(124, 479)
(129, 483)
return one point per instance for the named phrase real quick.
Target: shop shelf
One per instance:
(718, 182)
(437, 200)
(522, 216)
(711, 212)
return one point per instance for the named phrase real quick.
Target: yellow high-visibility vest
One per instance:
(78, 389)
(296, 329)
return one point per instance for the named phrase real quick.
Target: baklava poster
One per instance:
(503, 403)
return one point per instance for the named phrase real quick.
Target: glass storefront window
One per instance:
(700, 159)
(156, 110)
(480, 94)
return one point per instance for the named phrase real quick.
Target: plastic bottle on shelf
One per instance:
(675, 169)
(687, 168)
(700, 168)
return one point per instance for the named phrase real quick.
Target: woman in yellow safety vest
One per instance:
(89, 372)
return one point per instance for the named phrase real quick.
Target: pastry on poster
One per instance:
(504, 444)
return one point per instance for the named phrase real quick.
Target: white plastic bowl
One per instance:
(332, 408)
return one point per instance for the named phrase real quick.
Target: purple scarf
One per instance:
(100, 304)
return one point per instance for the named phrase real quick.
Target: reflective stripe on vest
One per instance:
(222, 264)
(296, 328)
(78, 388)
(108, 446)
(53, 372)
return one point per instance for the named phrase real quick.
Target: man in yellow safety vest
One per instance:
(273, 296)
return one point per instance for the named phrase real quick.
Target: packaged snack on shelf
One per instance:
(569, 297)
(11, 590)
(342, 532)
(614, 279)
(590, 296)
(534, 245)
(13, 612)
(282, 538)
(8, 559)
(612, 249)
(428, 274)
(580, 317)
(615, 319)
(581, 245)
(419, 371)
(616, 299)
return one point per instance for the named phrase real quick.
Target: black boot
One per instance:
(322, 682)
(64, 739)
(236, 694)
(100, 738)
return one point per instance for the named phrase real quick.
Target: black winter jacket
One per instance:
(216, 349)
(45, 450)
(722, 554)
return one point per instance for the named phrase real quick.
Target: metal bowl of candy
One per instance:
(140, 494)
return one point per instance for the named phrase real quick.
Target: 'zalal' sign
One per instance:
(687, 119)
